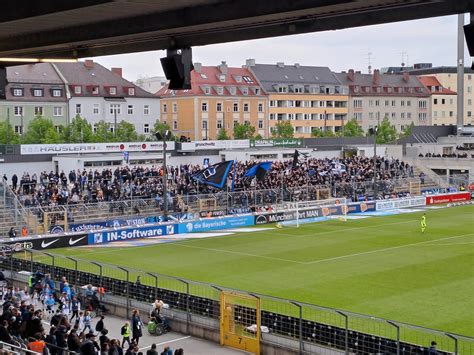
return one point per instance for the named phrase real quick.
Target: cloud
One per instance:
(430, 40)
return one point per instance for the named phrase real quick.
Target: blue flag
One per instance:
(259, 170)
(214, 175)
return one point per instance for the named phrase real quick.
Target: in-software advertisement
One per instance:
(119, 235)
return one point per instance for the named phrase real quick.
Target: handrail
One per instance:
(16, 348)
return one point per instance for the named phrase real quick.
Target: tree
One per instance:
(7, 135)
(78, 131)
(243, 131)
(222, 135)
(352, 129)
(102, 133)
(41, 130)
(407, 131)
(386, 132)
(319, 133)
(126, 132)
(283, 129)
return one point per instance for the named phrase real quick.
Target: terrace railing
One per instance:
(290, 322)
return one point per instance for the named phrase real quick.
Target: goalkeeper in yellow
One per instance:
(423, 223)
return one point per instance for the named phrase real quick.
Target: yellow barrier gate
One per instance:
(240, 321)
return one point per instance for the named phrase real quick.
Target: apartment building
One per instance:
(97, 94)
(33, 90)
(221, 96)
(447, 77)
(443, 102)
(401, 98)
(309, 97)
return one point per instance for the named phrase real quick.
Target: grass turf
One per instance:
(380, 266)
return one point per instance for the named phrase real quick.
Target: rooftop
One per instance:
(433, 85)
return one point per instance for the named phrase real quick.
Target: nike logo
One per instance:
(72, 241)
(47, 244)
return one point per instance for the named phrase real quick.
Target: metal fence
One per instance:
(291, 323)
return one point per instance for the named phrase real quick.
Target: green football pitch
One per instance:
(381, 266)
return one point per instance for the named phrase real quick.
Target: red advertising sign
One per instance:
(448, 198)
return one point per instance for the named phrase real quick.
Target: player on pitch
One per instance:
(423, 223)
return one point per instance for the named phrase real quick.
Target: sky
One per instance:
(429, 40)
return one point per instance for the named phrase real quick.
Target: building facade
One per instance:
(32, 91)
(447, 77)
(311, 98)
(443, 108)
(98, 94)
(221, 97)
(153, 84)
(401, 98)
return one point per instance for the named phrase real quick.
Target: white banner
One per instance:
(74, 148)
(401, 203)
(209, 145)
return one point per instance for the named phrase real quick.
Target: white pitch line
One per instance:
(240, 253)
(435, 245)
(166, 342)
(384, 249)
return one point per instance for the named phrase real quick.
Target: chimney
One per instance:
(250, 63)
(406, 77)
(350, 75)
(197, 67)
(223, 67)
(377, 77)
(280, 64)
(297, 65)
(89, 63)
(117, 71)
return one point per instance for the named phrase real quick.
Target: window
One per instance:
(146, 109)
(204, 76)
(402, 115)
(282, 89)
(245, 91)
(357, 103)
(222, 78)
(358, 116)
(95, 90)
(175, 125)
(113, 90)
(387, 103)
(443, 101)
(272, 103)
(219, 124)
(371, 115)
(469, 113)
(377, 103)
(260, 124)
(232, 90)
(207, 90)
(409, 115)
(175, 107)
(393, 103)
(131, 91)
(371, 103)
(58, 129)
(38, 110)
(451, 113)
(235, 122)
(257, 91)
(422, 104)
(422, 116)
(57, 92)
(248, 79)
(204, 125)
(130, 109)
(17, 92)
(146, 128)
(77, 90)
(115, 109)
(469, 89)
(19, 129)
(246, 107)
(38, 92)
(95, 109)
(469, 77)
(204, 107)
(298, 90)
(469, 102)
(409, 103)
(394, 115)
(220, 90)
(78, 109)
(57, 111)
(402, 103)
(260, 107)
(219, 107)
(18, 110)
(236, 107)
(165, 108)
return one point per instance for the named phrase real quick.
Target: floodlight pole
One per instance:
(375, 158)
(165, 181)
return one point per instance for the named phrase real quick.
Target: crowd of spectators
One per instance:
(123, 183)
(46, 317)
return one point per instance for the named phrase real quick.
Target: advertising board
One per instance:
(401, 203)
(48, 242)
(361, 207)
(208, 224)
(279, 142)
(210, 145)
(119, 235)
(272, 217)
(448, 198)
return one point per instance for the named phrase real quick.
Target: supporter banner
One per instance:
(447, 198)
(33, 149)
(281, 142)
(109, 236)
(210, 145)
(49, 242)
(361, 207)
(206, 225)
(84, 227)
(401, 203)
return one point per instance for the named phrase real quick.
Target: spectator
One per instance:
(12, 233)
(100, 324)
(152, 350)
(125, 332)
(136, 326)
(167, 351)
(37, 345)
(432, 350)
(89, 346)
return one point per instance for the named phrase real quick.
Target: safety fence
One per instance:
(288, 322)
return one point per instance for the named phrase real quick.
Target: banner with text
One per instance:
(208, 224)
(401, 203)
(448, 198)
(120, 235)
